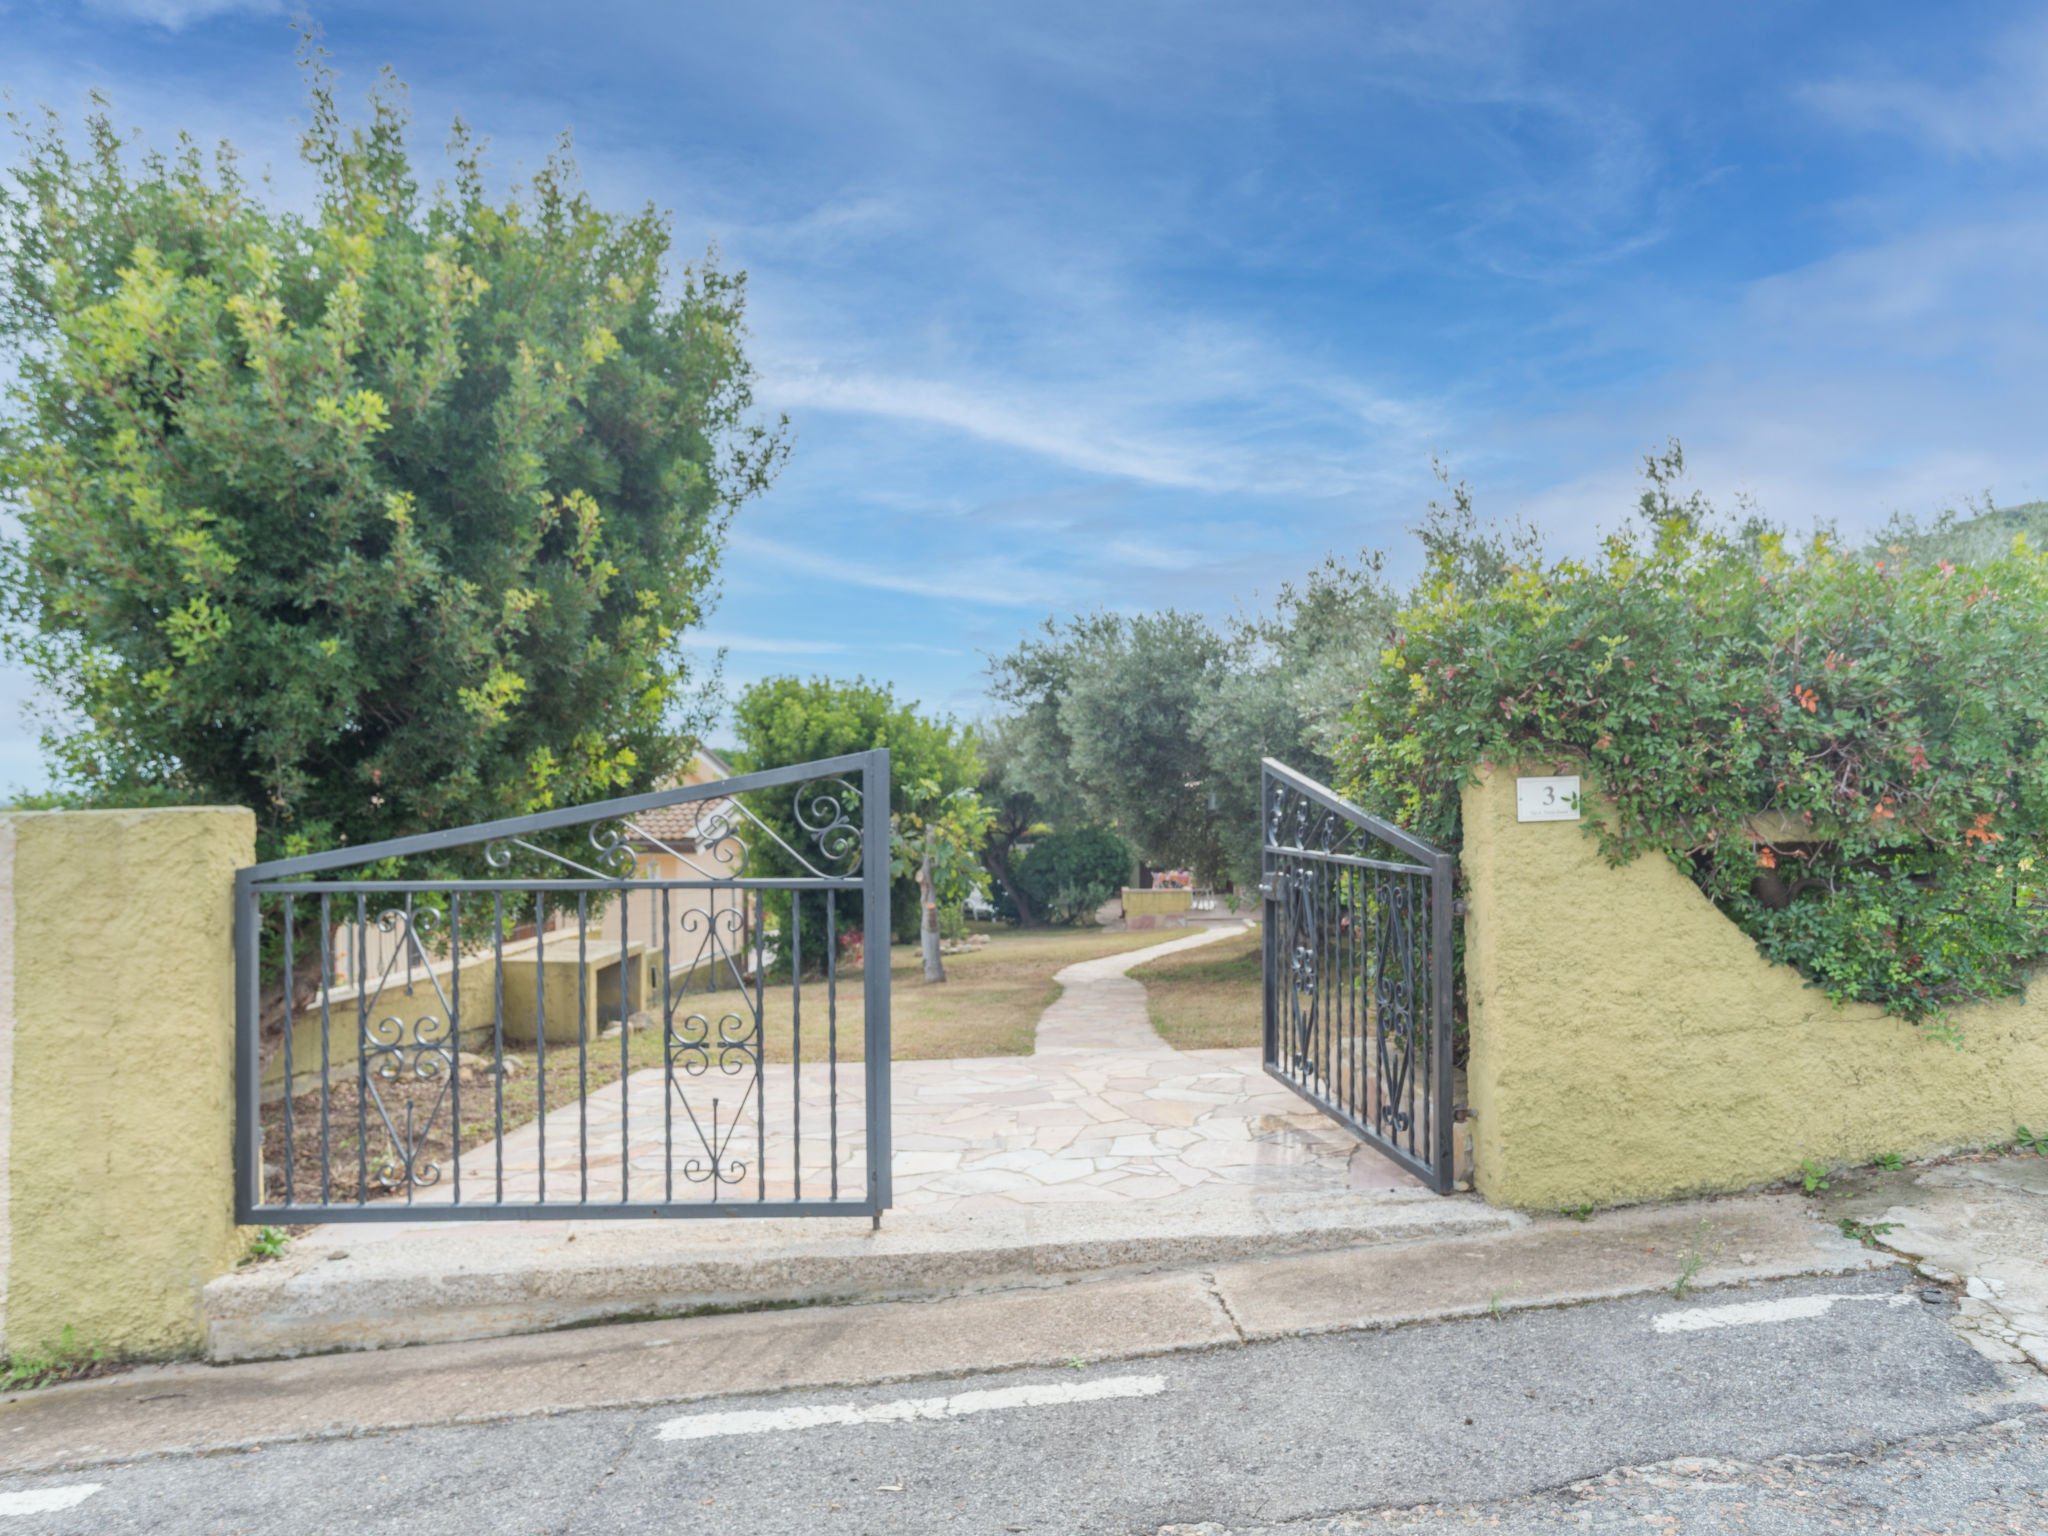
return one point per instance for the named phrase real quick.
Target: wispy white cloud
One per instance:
(726, 640)
(829, 227)
(1234, 424)
(176, 15)
(994, 581)
(1901, 375)
(2004, 111)
(1064, 436)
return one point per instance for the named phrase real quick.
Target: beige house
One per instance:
(567, 981)
(704, 937)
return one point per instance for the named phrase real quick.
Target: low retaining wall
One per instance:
(400, 999)
(116, 1074)
(1628, 1041)
(1160, 902)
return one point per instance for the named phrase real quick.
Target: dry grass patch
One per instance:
(988, 1005)
(1207, 998)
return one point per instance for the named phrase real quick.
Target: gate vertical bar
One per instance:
(1268, 919)
(874, 813)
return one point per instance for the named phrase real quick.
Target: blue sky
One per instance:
(1126, 305)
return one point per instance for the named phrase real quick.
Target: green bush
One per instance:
(1067, 875)
(1848, 755)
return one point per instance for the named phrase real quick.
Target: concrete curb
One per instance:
(425, 1285)
(194, 1408)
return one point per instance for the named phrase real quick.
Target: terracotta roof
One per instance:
(677, 825)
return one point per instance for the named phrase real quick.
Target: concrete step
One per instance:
(402, 1283)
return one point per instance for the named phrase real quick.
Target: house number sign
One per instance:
(1547, 799)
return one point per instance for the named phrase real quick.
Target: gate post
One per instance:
(874, 814)
(116, 1101)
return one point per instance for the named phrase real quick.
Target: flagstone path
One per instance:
(1102, 1112)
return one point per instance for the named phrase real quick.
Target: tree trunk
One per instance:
(934, 965)
(997, 861)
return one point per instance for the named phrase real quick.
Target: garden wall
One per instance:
(1628, 1041)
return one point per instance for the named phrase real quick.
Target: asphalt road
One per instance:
(1417, 1428)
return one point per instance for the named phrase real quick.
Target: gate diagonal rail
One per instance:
(1357, 962)
(653, 1006)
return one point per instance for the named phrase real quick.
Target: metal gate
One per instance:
(1358, 970)
(605, 1011)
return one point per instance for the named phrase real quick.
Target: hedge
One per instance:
(1847, 753)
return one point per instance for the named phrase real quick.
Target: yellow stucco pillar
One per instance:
(116, 1073)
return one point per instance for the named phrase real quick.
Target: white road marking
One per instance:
(763, 1421)
(40, 1501)
(1743, 1313)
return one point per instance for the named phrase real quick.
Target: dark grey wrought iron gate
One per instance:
(1358, 970)
(584, 1012)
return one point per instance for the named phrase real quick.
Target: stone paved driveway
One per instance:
(1102, 1112)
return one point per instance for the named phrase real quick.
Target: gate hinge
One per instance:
(1461, 1114)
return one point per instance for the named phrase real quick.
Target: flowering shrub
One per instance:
(1848, 755)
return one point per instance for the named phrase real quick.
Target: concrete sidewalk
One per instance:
(1104, 1151)
(1540, 1263)
(1978, 1223)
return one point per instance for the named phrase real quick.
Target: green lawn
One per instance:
(1206, 998)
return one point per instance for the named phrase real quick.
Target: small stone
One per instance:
(337, 1253)
(1934, 1295)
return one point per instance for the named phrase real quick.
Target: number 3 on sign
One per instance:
(1547, 799)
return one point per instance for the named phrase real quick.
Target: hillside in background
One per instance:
(1965, 540)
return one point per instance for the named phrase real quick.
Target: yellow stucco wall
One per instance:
(1157, 902)
(122, 1196)
(1628, 1041)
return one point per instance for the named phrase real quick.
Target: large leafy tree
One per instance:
(379, 518)
(1110, 705)
(1155, 724)
(1292, 673)
(783, 721)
